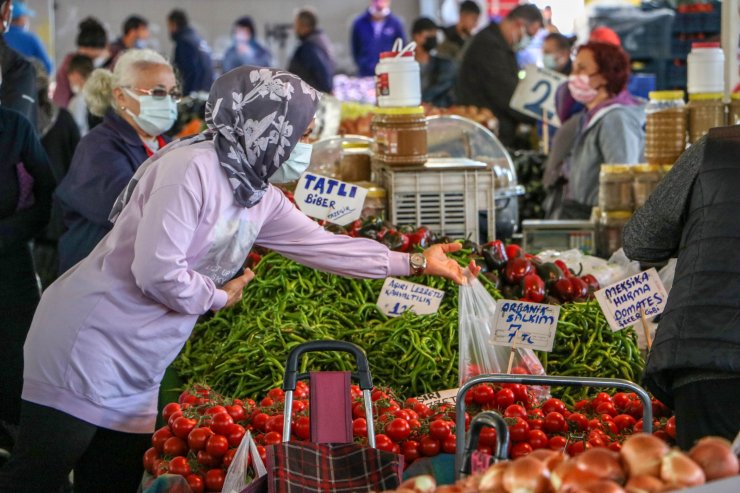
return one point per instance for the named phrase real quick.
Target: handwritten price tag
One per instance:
(623, 300)
(528, 325)
(329, 199)
(398, 296)
(535, 94)
(441, 397)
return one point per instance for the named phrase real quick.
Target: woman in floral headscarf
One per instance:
(105, 331)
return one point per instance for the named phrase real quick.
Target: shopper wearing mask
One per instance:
(135, 35)
(78, 71)
(489, 72)
(244, 49)
(556, 50)
(105, 332)
(92, 41)
(192, 56)
(437, 73)
(20, 38)
(610, 129)
(374, 32)
(19, 90)
(313, 60)
(139, 103)
(456, 36)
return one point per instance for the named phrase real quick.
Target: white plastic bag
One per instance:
(237, 476)
(478, 355)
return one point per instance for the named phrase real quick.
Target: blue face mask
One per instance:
(294, 166)
(156, 116)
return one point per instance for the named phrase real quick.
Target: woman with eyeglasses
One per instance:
(138, 103)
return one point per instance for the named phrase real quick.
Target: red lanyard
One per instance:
(160, 141)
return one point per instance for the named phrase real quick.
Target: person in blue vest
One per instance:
(24, 41)
(374, 32)
(192, 55)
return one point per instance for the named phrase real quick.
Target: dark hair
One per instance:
(308, 18)
(470, 7)
(528, 13)
(81, 64)
(134, 22)
(563, 42)
(179, 18)
(423, 24)
(613, 63)
(247, 23)
(91, 34)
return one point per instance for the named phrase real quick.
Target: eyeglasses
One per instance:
(160, 93)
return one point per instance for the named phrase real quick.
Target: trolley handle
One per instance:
(495, 421)
(647, 408)
(291, 366)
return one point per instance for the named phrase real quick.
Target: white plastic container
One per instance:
(397, 77)
(706, 69)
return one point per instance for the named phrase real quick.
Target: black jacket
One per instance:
(193, 61)
(18, 91)
(488, 77)
(438, 78)
(313, 62)
(694, 214)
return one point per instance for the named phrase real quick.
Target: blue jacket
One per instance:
(193, 60)
(29, 45)
(259, 57)
(104, 162)
(366, 48)
(313, 62)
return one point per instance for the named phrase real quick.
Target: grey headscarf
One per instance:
(255, 117)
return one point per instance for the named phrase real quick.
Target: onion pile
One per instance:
(714, 455)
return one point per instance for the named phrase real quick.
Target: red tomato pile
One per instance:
(203, 429)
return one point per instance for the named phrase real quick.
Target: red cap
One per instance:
(706, 44)
(393, 54)
(603, 34)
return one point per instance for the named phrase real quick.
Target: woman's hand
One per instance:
(439, 264)
(235, 287)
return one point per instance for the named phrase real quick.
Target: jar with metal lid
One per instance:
(647, 177)
(375, 200)
(705, 111)
(611, 226)
(615, 187)
(665, 127)
(354, 164)
(734, 111)
(400, 135)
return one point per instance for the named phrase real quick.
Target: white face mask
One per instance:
(549, 61)
(100, 61)
(292, 169)
(524, 41)
(156, 116)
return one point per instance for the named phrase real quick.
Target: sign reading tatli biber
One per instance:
(623, 301)
(398, 296)
(329, 199)
(526, 325)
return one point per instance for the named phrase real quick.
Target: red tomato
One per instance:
(411, 450)
(439, 429)
(422, 410)
(398, 430)
(553, 406)
(299, 406)
(449, 446)
(173, 417)
(670, 427)
(403, 414)
(215, 479)
(180, 465)
(196, 483)
(160, 436)
(429, 447)
(615, 446)
(606, 408)
(624, 422)
(519, 432)
(515, 411)
(520, 450)
(277, 394)
(217, 445)
(596, 440)
(578, 422)
(558, 443)
(259, 421)
(302, 428)
(183, 426)
(149, 457)
(538, 439)
(383, 442)
(262, 451)
(273, 438)
(359, 427)
(377, 395)
(229, 458)
(621, 401)
(635, 409)
(175, 446)
(214, 410)
(600, 397)
(576, 448)
(198, 437)
(483, 394)
(415, 424)
(555, 423)
(221, 423)
(662, 435)
(536, 423)
(170, 409)
(235, 435)
(267, 402)
(207, 460)
(162, 467)
(236, 412)
(186, 398)
(487, 436)
(275, 423)
(504, 398)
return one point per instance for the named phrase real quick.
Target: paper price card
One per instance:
(440, 397)
(622, 301)
(398, 296)
(329, 199)
(526, 325)
(535, 94)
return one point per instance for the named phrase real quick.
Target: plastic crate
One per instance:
(448, 202)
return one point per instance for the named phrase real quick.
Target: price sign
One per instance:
(526, 325)
(622, 301)
(441, 397)
(535, 94)
(329, 199)
(398, 296)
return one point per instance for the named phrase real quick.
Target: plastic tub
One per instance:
(397, 77)
(706, 68)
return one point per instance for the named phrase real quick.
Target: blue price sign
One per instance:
(535, 94)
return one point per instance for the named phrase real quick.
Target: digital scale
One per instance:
(539, 235)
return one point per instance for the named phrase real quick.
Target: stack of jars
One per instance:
(706, 85)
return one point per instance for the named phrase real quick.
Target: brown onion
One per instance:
(603, 462)
(679, 470)
(493, 478)
(644, 484)
(604, 486)
(525, 475)
(642, 454)
(449, 488)
(420, 484)
(573, 478)
(714, 455)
